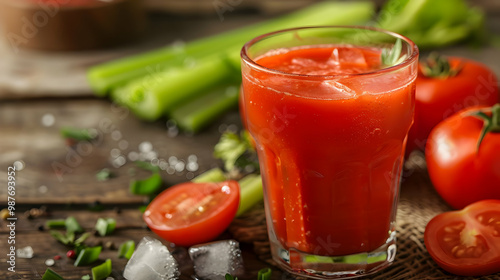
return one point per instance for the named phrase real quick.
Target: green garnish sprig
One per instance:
(392, 56)
(149, 186)
(236, 152)
(105, 226)
(69, 237)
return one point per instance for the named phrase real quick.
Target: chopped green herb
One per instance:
(264, 274)
(60, 237)
(82, 239)
(147, 186)
(104, 175)
(86, 277)
(88, 256)
(96, 206)
(69, 238)
(105, 226)
(72, 225)
(53, 224)
(51, 275)
(79, 248)
(230, 277)
(77, 134)
(147, 166)
(142, 208)
(126, 249)
(102, 271)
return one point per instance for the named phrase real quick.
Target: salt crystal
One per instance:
(25, 253)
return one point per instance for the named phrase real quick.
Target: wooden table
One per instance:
(30, 121)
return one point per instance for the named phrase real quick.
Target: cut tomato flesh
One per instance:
(466, 242)
(192, 213)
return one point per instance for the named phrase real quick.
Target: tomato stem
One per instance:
(437, 66)
(491, 123)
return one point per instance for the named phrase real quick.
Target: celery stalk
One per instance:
(151, 97)
(157, 94)
(432, 24)
(103, 78)
(251, 192)
(212, 175)
(200, 112)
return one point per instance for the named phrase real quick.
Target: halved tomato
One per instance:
(466, 242)
(193, 213)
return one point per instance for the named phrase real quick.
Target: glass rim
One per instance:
(252, 63)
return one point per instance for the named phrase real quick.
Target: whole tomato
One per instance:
(463, 156)
(445, 86)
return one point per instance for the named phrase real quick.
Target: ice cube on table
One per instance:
(214, 260)
(151, 261)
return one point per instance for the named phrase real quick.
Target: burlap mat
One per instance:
(417, 205)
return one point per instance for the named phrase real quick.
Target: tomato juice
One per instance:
(330, 126)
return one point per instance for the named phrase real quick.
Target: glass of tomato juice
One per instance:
(330, 109)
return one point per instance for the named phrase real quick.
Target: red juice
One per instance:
(330, 134)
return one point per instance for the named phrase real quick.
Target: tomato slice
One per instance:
(193, 213)
(466, 242)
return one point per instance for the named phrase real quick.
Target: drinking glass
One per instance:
(329, 109)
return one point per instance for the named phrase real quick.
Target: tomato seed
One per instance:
(470, 251)
(448, 239)
(459, 227)
(460, 253)
(454, 249)
(448, 229)
(480, 218)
